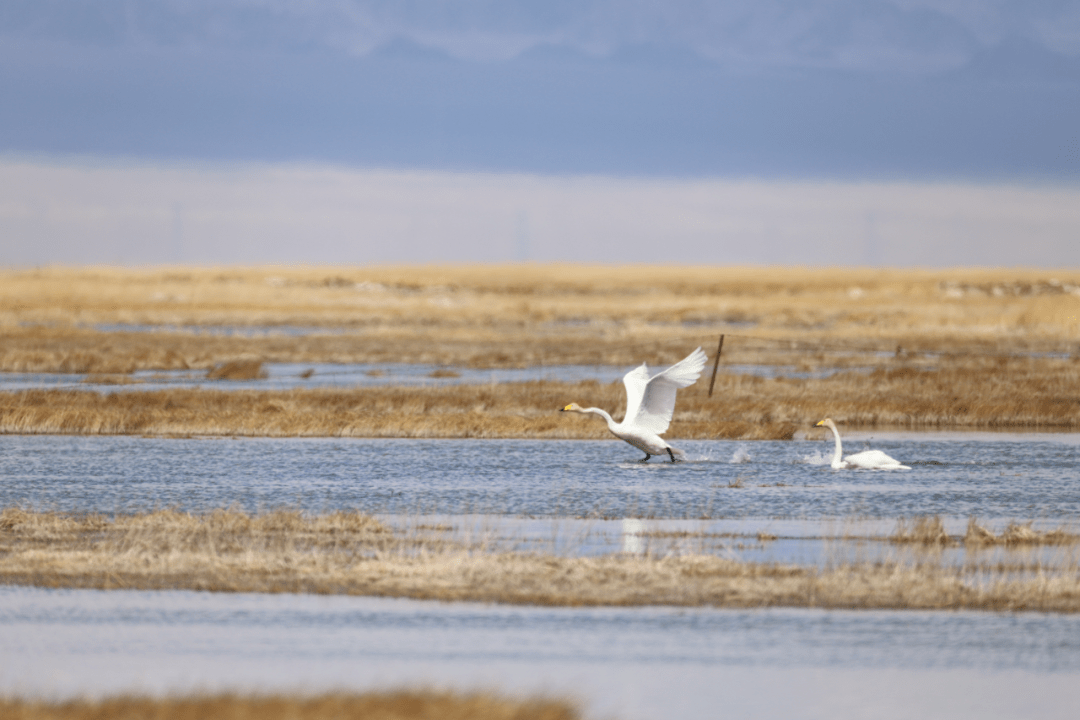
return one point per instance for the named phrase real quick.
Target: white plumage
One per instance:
(650, 403)
(867, 459)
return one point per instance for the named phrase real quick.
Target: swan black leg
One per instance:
(671, 455)
(646, 458)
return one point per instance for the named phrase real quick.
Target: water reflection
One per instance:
(633, 543)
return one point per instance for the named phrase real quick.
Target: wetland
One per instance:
(362, 471)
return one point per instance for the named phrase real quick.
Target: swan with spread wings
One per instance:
(650, 403)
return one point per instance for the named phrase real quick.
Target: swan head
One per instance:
(572, 407)
(827, 422)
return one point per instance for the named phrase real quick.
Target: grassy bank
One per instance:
(350, 554)
(1002, 393)
(420, 705)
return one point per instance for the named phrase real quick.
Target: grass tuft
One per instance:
(395, 705)
(921, 531)
(1016, 534)
(931, 531)
(237, 370)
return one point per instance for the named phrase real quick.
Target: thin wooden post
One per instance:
(716, 364)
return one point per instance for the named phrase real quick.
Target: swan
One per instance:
(650, 402)
(867, 460)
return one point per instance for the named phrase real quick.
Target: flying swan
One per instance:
(650, 402)
(867, 460)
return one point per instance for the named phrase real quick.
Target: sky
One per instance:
(878, 132)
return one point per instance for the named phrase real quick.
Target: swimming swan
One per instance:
(867, 460)
(650, 402)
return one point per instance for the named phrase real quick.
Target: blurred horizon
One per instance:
(685, 92)
(149, 213)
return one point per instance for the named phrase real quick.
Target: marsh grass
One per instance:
(1014, 393)
(1019, 534)
(857, 304)
(394, 705)
(526, 315)
(342, 553)
(914, 349)
(929, 531)
(237, 370)
(921, 531)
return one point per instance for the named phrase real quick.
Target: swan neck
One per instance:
(837, 459)
(601, 413)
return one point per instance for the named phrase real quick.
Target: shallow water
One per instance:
(996, 478)
(571, 497)
(639, 663)
(287, 376)
(761, 502)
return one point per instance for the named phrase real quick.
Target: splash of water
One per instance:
(815, 458)
(741, 455)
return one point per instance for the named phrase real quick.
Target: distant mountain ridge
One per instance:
(877, 89)
(871, 35)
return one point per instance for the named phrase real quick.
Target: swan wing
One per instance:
(635, 381)
(656, 404)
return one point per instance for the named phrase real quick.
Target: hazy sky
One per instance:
(620, 129)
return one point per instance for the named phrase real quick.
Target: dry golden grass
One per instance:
(397, 705)
(926, 349)
(921, 531)
(521, 315)
(865, 301)
(1002, 393)
(237, 370)
(1016, 534)
(228, 551)
(931, 531)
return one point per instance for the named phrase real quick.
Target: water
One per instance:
(288, 376)
(642, 663)
(1013, 477)
(579, 497)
